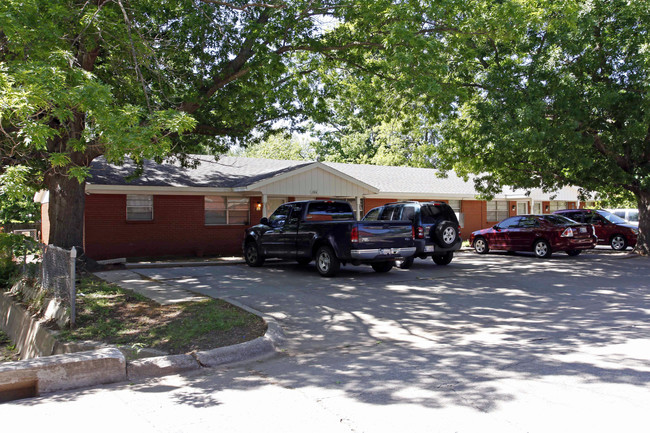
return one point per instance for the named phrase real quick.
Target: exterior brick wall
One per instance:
(178, 229)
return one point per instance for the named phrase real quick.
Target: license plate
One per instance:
(388, 251)
(583, 229)
(428, 248)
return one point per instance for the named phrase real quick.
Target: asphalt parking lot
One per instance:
(488, 343)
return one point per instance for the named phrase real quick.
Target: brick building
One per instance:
(203, 210)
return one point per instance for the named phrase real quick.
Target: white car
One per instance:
(629, 215)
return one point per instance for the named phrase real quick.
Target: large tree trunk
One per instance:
(66, 210)
(643, 241)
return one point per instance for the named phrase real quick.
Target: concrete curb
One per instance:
(260, 348)
(61, 372)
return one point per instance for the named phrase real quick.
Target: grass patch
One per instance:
(108, 313)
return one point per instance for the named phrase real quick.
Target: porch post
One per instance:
(264, 199)
(358, 207)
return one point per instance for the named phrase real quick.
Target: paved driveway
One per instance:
(489, 343)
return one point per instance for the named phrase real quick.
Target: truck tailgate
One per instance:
(384, 239)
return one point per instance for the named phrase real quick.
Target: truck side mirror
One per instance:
(264, 221)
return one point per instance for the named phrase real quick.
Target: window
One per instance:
(528, 222)
(510, 222)
(139, 207)
(537, 208)
(329, 210)
(558, 205)
(372, 215)
(497, 210)
(226, 210)
(455, 206)
(279, 217)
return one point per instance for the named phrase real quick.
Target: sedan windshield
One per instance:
(611, 217)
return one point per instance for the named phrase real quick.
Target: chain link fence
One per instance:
(55, 270)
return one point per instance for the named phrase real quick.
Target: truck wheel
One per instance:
(404, 263)
(327, 263)
(443, 259)
(252, 255)
(382, 267)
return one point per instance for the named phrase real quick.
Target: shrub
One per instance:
(12, 246)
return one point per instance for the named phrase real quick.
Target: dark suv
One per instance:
(435, 228)
(610, 229)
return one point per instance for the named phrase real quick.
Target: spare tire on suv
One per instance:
(445, 234)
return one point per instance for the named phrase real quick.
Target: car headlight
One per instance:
(636, 231)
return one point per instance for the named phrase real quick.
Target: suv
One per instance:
(610, 229)
(435, 228)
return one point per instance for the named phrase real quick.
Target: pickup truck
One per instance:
(326, 231)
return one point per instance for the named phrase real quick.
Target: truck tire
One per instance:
(445, 234)
(382, 267)
(252, 255)
(327, 263)
(443, 259)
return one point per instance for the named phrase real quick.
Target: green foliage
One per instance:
(13, 247)
(278, 146)
(17, 196)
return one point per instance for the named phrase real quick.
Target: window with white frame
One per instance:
(456, 206)
(139, 207)
(226, 210)
(497, 210)
(537, 208)
(558, 205)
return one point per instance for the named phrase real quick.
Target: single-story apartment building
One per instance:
(172, 210)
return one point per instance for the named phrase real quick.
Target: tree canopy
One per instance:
(143, 79)
(559, 95)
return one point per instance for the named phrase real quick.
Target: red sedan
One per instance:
(541, 234)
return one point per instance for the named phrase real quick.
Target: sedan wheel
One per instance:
(542, 249)
(481, 246)
(619, 243)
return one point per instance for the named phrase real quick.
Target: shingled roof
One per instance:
(239, 173)
(227, 172)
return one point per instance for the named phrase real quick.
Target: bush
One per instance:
(12, 246)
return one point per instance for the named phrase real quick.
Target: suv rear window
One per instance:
(431, 213)
(329, 210)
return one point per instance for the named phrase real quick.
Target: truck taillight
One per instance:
(567, 233)
(418, 232)
(354, 235)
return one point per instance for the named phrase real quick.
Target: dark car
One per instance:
(435, 228)
(541, 234)
(610, 229)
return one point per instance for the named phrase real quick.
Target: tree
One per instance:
(557, 94)
(143, 79)
(279, 145)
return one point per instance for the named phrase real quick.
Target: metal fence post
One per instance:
(73, 291)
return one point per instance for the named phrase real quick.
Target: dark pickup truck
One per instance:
(326, 231)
